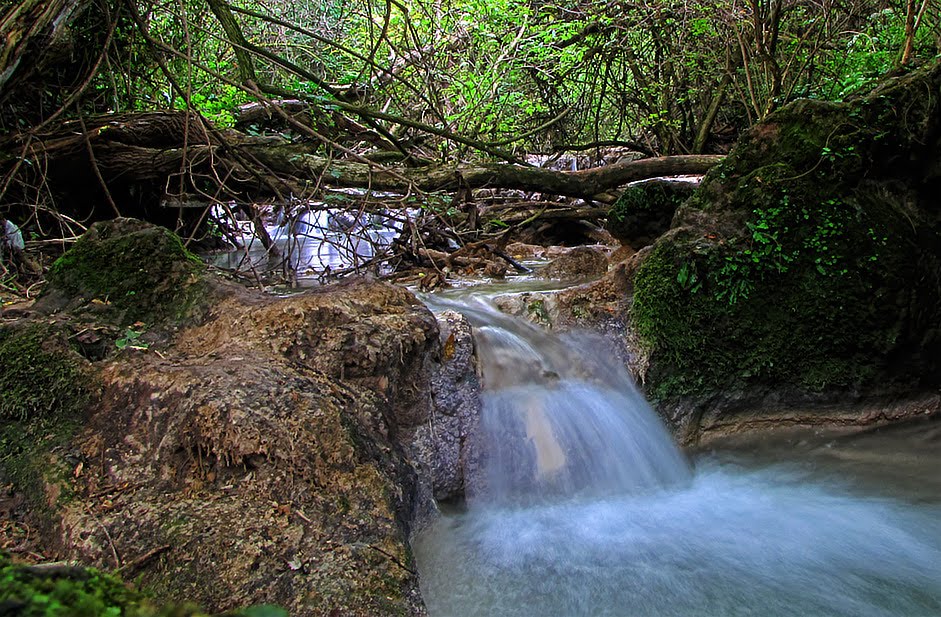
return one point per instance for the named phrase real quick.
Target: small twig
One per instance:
(114, 551)
(394, 559)
(517, 265)
(139, 562)
(94, 166)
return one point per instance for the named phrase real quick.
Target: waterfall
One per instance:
(587, 508)
(561, 418)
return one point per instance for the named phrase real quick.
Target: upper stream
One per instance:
(586, 507)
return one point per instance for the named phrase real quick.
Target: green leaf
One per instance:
(264, 610)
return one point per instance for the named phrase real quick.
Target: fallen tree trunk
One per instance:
(587, 183)
(145, 160)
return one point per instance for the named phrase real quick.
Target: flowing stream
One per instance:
(586, 507)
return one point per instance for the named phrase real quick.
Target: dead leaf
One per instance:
(449, 347)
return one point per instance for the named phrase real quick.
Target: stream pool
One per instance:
(800, 526)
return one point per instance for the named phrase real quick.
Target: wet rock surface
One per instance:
(582, 262)
(444, 445)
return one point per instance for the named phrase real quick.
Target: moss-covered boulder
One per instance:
(132, 270)
(581, 262)
(808, 262)
(644, 211)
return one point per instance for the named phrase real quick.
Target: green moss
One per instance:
(805, 292)
(38, 373)
(809, 257)
(44, 391)
(143, 271)
(67, 592)
(643, 212)
(72, 591)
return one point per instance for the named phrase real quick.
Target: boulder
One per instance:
(581, 262)
(644, 211)
(128, 270)
(444, 447)
(256, 454)
(805, 271)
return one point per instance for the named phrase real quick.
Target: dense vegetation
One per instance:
(662, 76)
(445, 81)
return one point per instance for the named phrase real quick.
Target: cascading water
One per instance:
(561, 419)
(586, 507)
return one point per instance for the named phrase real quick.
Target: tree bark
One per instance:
(236, 39)
(27, 29)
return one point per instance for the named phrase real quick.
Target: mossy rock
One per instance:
(39, 373)
(60, 590)
(141, 272)
(810, 258)
(644, 211)
(45, 390)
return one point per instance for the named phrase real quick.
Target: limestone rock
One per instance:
(257, 456)
(443, 446)
(579, 263)
(130, 271)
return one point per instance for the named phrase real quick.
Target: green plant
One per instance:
(131, 340)
(59, 590)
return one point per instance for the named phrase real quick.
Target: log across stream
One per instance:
(586, 507)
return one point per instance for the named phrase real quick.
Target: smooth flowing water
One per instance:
(586, 507)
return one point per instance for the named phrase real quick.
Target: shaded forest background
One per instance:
(143, 108)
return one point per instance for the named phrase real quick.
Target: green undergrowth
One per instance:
(722, 314)
(71, 591)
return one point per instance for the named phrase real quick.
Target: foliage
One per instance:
(131, 340)
(72, 591)
(538, 75)
(87, 593)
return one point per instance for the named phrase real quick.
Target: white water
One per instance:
(587, 508)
